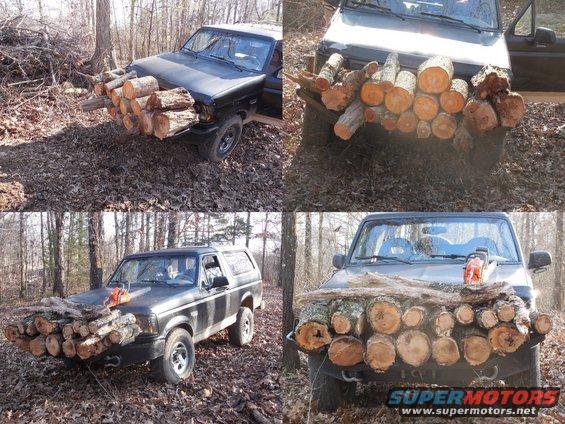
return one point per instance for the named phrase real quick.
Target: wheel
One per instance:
(328, 392)
(178, 360)
(315, 130)
(241, 331)
(530, 377)
(224, 142)
(488, 149)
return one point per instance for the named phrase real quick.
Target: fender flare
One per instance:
(179, 320)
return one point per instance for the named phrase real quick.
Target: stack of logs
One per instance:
(76, 331)
(377, 329)
(428, 102)
(138, 104)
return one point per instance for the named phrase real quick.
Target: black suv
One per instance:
(233, 72)
(470, 33)
(180, 297)
(433, 247)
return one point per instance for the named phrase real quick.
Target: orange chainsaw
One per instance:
(478, 267)
(117, 296)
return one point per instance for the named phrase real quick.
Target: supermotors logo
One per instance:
(472, 401)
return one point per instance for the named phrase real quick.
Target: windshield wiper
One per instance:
(223, 59)
(384, 258)
(448, 256)
(378, 7)
(452, 19)
(154, 282)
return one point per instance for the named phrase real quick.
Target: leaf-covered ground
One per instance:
(368, 407)
(229, 384)
(362, 174)
(53, 156)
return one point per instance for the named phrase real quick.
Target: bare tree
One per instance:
(558, 295)
(320, 242)
(104, 49)
(58, 287)
(247, 227)
(308, 247)
(94, 243)
(22, 256)
(172, 237)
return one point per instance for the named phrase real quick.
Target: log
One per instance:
(350, 120)
(414, 316)
(76, 325)
(140, 87)
(441, 322)
(177, 98)
(99, 88)
(138, 104)
(25, 323)
(374, 114)
(380, 353)
(426, 106)
(462, 140)
(476, 347)
(69, 348)
(328, 72)
(504, 311)
(490, 81)
(130, 121)
(346, 351)
(68, 332)
(434, 75)
(479, 116)
(119, 82)
(384, 315)
(123, 321)
(464, 314)
(505, 338)
(423, 130)
(445, 351)
(401, 96)
(97, 324)
(349, 317)
(83, 330)
(22, 342)
(166, 124)
(113, 112)
(11, 332)
(372, 93)
(54, 344)
(453, 100)
(46, 326)
(389, 71)
(389, 121)
(370, 69)
(312, 331)
(510, 108)
(37, 346)
(116, 97)
(124, 335)
(65, 308)
(305, 79)
(444, 126)
(540, 322)
(95, 103)
(486, 318)
(31, 329)
(146, 120)
(413, 346)
(338, 96)
(86, 347)
(125, 106)
(407, 122)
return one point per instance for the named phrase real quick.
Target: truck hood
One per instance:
(371, 36)
(450, 273)
(146, 299)
(207, 80)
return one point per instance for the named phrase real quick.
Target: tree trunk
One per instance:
(22, 255)
(328, 72)
(374, 114)
(94, 249)
(426, 106)
(312, 331)
(434, 75)
(413, 346)
(172, 236)
(380, 352)
(291, 360)
(407, 122)
(490, 81)
(350, 120)
(390, 70)
(307, 246)
(558, 297)
(169, 123)
(444, 126)
(346, 351)
(384, 315)
(103, 51)
(401, 96)
(58, 287)
(453, 100)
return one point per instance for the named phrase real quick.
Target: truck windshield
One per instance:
(481, 14)
(171, 270)
(241, 50)
(433, 239)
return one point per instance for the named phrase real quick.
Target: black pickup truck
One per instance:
(233, 72)
(432, 247)
(180, 297)
(469, 32)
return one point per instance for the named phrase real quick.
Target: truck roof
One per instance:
(187, 249)
(264, 30)
(385, 215)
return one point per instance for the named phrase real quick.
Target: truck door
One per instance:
(271, 98)
(217, 303)
(246, 276)
(536, 43)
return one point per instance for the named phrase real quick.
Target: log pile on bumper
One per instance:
(428, 102)
(61, 328)
(380, 320)
(140, 106)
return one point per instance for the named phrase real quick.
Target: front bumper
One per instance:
(200, 133)
(133, 353)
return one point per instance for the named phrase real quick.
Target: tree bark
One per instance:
(95, 103)
(103, 51)
(177, 98)
(390, 70)
(172, 235)
(350, 120)
(119, 82)
(490, 81)
(140, 87)
(328, 72)
(168, 123)
(558, 297)
(58, 287)
(401, 96)
(510, 108)
(374, 114)
(434, 75)
(94, 249)
(307, 246)
(462, 140)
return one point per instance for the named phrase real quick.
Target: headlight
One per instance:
(205, 112)
(148, 323)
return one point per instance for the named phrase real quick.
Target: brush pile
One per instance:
(380, 320)
(140, 106)
(61, 328)
(428, 102)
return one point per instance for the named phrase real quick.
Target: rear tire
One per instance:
(488, 149)
(227, 137)
(315, 130)
(531, 377)
(328, 392)
(241, 331)
(178, 361)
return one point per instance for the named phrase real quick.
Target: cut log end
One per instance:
(426, 106)
(505, 338)
(346, 351)
(407, 122)
(413, 346)
(380, 353)
(312, 336)
(464, 314)
(434, 75)
(384, 316)
(414, 316)
(445, 351)
(476, 349)
(444, 126)
(453, 100)
(541, 323)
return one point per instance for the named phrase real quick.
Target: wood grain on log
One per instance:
(349, 317)
(177, 98)
(328, 72)
(140, 87)
(69, 348)
(505, 338)
(350, 120)
(113, 112)
(119, 82)
(22, 342)
(346, 351)
(124, 335)
(85, 348)
(444, 126)
(123, 321)
(426, 106)
(54, 344)
(95, 325)
(441, 322)
(413, 346)
(372, 93)
(130, 121)
(312, 331)
(541, 323)
(11, 332)
(453, 100)
(434, 75)
(445, 351)
(389, 71)
(380, 352)
(125, 106)
(146, 119)
(479, 116)
(504, 311)
(389, 121)
(338, 96)
(116, 97)
(374, 114)
(414, 316)
(401, 96)
(138, 104)
(68, 331)
(407, 122)
(476, 347)
(168, 123)
(510, 108)
(486, 318)
(490, 81)
(464, 314)
(522, 318)
(37, 346)
(95, 103)
(383, 314)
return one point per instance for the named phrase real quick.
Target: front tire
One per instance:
(488, 149)
(328, 392)
(227, 137)
(241, 331)
(178, 361)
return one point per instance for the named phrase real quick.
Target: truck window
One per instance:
(549, 14)
(172, 270)
(276, 61)
(239, 262)
(211, 267)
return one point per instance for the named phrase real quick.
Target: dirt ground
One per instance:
(53, 156)
(368, 407)
(362, 174)
(229, 384)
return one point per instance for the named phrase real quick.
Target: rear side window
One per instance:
(239, 262)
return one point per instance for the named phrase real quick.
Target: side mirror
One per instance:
(332, 3)
(220, 281)
(545, 36)
(338, 260)
(539, 260)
